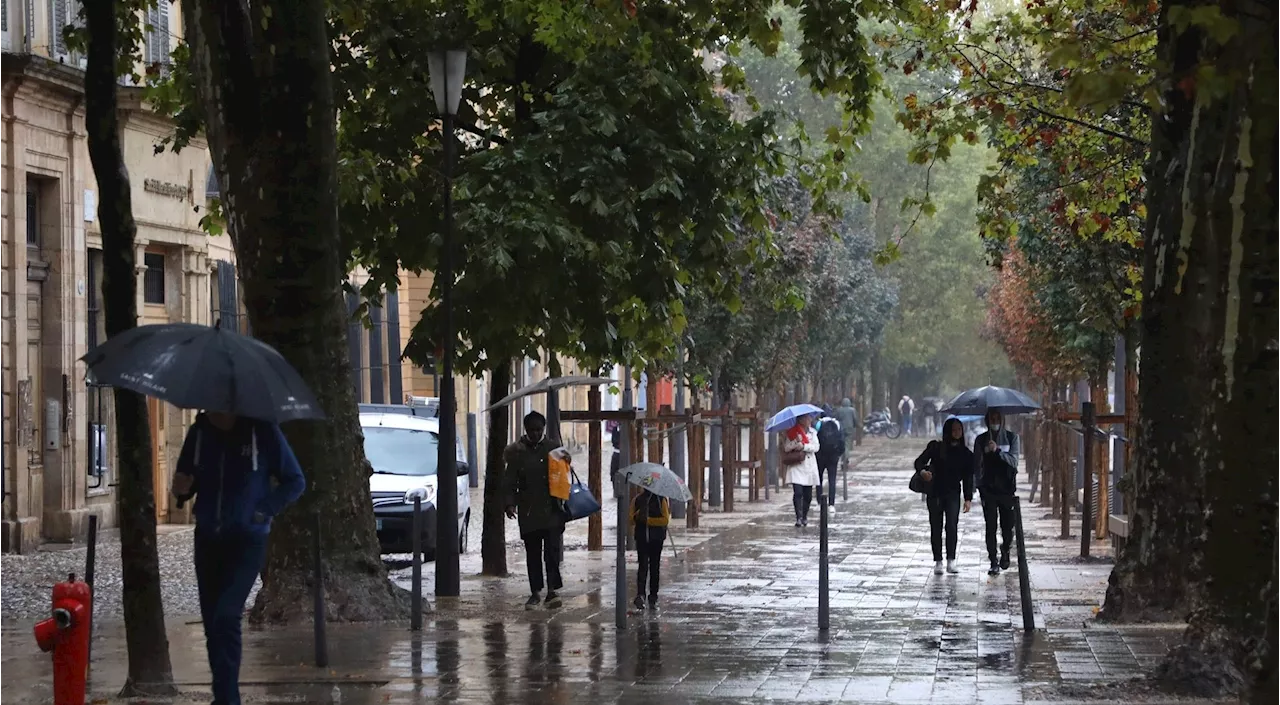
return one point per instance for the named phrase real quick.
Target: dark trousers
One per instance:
(544, 547)
(649, 542)
(801, 498)
(944, 507)
(998, 507)
(227, 564)
(827, 468)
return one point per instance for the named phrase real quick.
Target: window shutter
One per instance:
(153, 24)
(375, 355)
(354, 330)
(228, 309)
(163, 49)
(57, 21)
(393, 348)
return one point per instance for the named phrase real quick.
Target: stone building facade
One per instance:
(58, 449)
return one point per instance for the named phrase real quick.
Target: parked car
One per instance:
(403, 450)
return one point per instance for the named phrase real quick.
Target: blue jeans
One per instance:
(227, 564)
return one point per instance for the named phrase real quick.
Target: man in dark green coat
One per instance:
(541, 515)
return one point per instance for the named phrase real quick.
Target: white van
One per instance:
(403, 450)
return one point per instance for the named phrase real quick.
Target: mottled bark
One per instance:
(146, 641)
(1206, 493)
(264, 89)
(493, 537)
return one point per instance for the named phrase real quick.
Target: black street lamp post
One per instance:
(447, 68)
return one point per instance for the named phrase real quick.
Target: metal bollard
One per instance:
(824, 581)
(90, 565)
(1024, 579)
(844, 475)
(317, 595)
(415, 614)
(472, 451)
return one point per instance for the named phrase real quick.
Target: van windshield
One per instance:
(401, 451)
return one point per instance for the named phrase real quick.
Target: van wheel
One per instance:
(466, 531)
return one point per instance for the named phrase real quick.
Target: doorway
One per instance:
(159, 459)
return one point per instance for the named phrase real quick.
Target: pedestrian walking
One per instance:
(242, 473)
(995, 454)
(830, 450)
(615, 463)
(906, 407)
(650, 516)
(540, 515)
(947, 467)
(799, 450)
(848, 418)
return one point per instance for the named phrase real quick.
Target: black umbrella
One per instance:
(200, 367)
(976, 402)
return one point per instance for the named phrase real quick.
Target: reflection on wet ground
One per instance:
(738, 624)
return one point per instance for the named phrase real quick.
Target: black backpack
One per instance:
(830, 439)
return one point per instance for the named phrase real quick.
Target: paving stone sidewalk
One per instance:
(738, 624)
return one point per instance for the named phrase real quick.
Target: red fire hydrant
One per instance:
(66, 634)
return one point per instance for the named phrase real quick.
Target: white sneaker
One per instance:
(937, 567)
(951, 567)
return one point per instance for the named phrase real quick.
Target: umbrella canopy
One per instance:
(978, 401)
(786, 418)
(658, 479)
(549, 384)
(201, 367)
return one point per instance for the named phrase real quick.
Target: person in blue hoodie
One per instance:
(242, 473)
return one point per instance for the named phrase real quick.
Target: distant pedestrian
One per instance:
(242, 473)
(947, 466)
(800, 443)
(830, 450)
(848, 418)
(650, 515)
(541, 515)
(995, 455)
(906, 407)
(615, 463)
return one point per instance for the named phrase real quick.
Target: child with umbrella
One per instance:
(650, 517)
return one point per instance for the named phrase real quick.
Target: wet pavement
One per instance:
(738, 624)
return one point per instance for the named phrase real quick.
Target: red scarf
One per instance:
(797, 433)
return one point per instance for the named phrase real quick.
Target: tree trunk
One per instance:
(262, 75)
(1206, 467)
(146, 641)
(493, 538)
(877, 384)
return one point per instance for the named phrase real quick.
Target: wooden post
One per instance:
(694, 510)
(595, 455)
(1066, 479)
(1101, 463)
(729, 455)
(758, 454)
(1086, 508)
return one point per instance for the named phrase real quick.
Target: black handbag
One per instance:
(920, 485)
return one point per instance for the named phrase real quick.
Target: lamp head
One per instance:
(447, 68)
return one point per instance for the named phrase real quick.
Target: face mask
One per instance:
(533, 436)
(995, 427)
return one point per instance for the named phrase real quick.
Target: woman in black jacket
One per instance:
(947, 466)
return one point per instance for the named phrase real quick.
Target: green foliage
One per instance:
(606, 177)
(1061, 93)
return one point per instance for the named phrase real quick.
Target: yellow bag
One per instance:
(558, 470)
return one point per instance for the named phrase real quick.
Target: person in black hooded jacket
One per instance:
(947, 466)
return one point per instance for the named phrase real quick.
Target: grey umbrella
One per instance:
(977, 401)
(549, 384)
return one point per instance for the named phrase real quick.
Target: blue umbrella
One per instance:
(978, 401)
(786, 418)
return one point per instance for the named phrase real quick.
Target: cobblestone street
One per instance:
(738, 624)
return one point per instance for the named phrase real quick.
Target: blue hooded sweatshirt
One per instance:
(233, 473)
